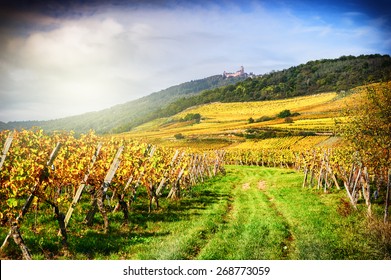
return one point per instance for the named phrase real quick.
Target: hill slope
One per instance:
(125, 116)
(317, 76)
(312, 77)
(313, 118)
(227, 124)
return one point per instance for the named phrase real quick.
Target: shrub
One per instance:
(179, 136)
(190, 117)
(284, 114)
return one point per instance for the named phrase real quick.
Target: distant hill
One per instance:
(125, 116)
(4, 126)
(317, 76)
(312, 77)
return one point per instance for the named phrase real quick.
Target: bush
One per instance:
(192, 117)
(284, 114)
(179, 136)
(369, 129)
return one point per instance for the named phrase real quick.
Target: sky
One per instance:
(63, 58)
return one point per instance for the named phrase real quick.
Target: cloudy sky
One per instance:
(58, 60)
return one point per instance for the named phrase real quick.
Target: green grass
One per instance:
(320, 228)
(227, 217)
(197, 218)
(252, 228)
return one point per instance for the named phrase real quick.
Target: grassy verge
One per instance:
(323, 226)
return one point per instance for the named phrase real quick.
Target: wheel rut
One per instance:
(287, 243)
(252, 227)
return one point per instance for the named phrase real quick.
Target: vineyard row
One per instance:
(58, 169)
(326, 169)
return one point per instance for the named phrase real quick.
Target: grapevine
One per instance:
(58, 169)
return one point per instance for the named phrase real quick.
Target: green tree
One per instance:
(284, 114)
(179, 136)
(369, 133)
(369, 127)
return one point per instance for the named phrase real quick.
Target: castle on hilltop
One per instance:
(239, 73)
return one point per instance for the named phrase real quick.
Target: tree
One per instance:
(369, 133)
(284, 114)
(179, 136)
(369, 127)
(193, 117)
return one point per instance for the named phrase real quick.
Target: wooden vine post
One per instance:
(168, 172)
(358, 178)
(366, 190)
(151, 150)
(15, 224)
(98, 201)
(306, 169)
(206, 168)
(79, 191)
(312, 169)
(175, 190)
(219, 162)
(388, 194)
(6, 147)
(54, 203)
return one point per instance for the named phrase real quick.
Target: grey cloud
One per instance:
(68, 65)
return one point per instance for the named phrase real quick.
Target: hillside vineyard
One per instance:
(58, 170)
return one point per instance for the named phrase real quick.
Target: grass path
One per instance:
(261, 213)
(253, 229)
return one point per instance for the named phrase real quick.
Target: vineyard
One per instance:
(60, 175)
(72, 188)
(39, 170)
(243, 110)
(225, 125)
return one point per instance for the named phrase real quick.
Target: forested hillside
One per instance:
(317, 76)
